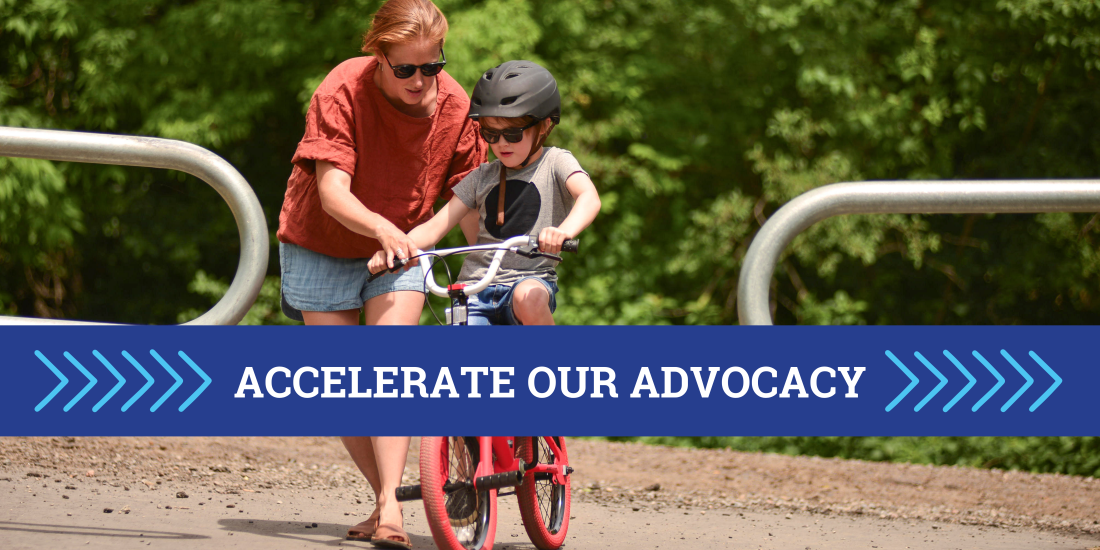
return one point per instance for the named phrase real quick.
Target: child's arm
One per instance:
(585, 207)
(471, 226)
(426, 234)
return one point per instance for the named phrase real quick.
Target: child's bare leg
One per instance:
(531, 303)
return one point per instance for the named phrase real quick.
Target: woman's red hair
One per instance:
(404, 21)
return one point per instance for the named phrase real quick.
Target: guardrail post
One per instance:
(170, 155)
(895, 197)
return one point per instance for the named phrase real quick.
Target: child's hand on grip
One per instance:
(550, 240)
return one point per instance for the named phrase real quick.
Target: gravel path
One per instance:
(722, 479)
(279, 487)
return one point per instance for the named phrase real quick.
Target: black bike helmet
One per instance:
(516, 89)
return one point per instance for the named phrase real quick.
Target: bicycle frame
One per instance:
(504, 459)
(498, 467)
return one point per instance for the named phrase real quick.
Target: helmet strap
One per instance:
(538, 144)
(500, 198)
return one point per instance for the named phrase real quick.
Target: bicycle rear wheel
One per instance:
(460, 517)
(543, 504)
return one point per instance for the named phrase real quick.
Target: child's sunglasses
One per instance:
(511, 135)
(427, 69)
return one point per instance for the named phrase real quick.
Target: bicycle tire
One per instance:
(464, 519)
(543, 504)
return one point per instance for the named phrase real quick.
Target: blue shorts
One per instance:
(312, 281)
(493, 306)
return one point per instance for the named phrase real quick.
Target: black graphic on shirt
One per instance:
(521, 209)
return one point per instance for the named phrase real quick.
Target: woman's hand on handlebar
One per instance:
(377, 265)
(550, 239)
(377, 262)
(395, 243)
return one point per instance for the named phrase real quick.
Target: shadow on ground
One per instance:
(332, 534)
(95, 531)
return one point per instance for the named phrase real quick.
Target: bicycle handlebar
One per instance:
(513, 244)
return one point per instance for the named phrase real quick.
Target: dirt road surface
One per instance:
(184, 493)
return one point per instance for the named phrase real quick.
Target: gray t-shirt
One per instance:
(535, 197)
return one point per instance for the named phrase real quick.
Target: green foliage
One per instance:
(37, 213)
(1065, 455)
(696, 120)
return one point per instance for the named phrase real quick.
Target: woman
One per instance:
(386, 135)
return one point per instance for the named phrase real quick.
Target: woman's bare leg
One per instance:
(382, 459)
(360, 448)
(382, 462)
(395, 308)
(389, 455)
(345, 317)
(362, 452)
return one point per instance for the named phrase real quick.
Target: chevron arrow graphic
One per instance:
(971, 381)
(966, 373)
(1050, 390)
(1023, 388)
(114, 390)
(56, 373)
(931, 394)
(993, 390)
(206, 380)
(179, 381)
(121, 381)
(148, 380)
(908, 388)
(91, 381)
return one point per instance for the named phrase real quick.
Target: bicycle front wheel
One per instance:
(460, 517)
(543, 504)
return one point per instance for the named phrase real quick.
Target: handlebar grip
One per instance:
(570, 245)
(398, 263)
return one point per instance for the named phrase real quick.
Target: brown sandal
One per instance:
(391, 536)
(365, 530)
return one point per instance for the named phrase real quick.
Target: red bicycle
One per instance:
(460, 476)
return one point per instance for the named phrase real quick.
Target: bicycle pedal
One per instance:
(408, 492)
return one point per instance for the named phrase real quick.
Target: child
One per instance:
(528, 190)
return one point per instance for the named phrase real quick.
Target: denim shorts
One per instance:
(493, 306)
(312, 281)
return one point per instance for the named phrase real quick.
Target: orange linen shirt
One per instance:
(399, 164)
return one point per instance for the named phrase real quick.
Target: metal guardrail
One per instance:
(170, 155)
(895, 197)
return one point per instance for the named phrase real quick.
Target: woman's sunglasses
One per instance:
(511, 135)
(427, 69)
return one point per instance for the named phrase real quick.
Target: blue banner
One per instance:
(577, 381)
